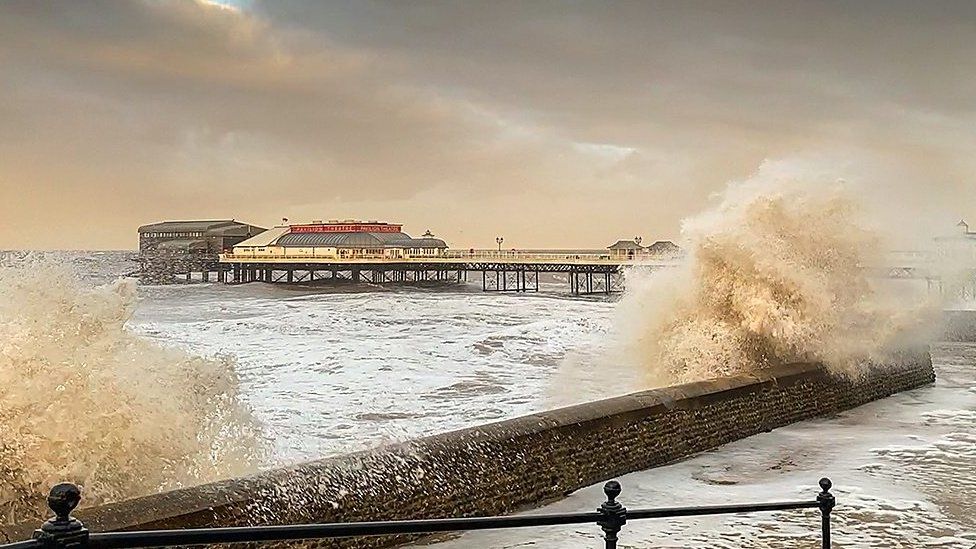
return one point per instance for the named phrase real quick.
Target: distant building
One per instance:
(625, 249)
(335, 239)
(181, 247)
(663, 248)
(209, 236)
(631, 249)
(958, 249)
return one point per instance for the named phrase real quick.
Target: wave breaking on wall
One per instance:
(84, 400)
(780, 271)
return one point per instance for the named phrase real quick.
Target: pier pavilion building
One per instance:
(341, 240)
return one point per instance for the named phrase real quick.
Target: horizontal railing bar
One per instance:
(203, 536)
(27, 544)
(666, 512)
(441, 259)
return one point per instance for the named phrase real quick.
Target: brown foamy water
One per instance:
(778, 272)
(84, 400)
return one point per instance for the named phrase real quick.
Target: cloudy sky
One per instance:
(551, 123)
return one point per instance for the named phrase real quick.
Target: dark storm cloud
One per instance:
(558, 123)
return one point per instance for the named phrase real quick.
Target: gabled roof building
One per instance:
(630, 249)
(213, 236)
(169, 248)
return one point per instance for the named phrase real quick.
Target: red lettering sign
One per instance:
(347, 228)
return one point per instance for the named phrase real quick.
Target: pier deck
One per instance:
(502, 271)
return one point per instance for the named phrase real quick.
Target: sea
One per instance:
(333, 369)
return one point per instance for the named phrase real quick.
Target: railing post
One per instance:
(63, 531)
(826, 501)
(614, 514)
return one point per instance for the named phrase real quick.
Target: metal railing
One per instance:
(528, 254)
(450, 257)
(66, 532)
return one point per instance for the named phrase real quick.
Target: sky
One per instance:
(552, 124)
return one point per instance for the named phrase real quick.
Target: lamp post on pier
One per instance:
(499, 240)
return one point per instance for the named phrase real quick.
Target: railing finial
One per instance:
(825, 498)
(614, 514)
(63, 499)
(826, 501)
(63, 530)
(612, 489)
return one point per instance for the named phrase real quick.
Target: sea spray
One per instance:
(84, 400)
(780, 271)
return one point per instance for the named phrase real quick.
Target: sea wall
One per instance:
(511, 465)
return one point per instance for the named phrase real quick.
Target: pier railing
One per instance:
(66, 532)
(451, 257)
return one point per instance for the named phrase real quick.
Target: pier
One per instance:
(587, 271)
(375, 252)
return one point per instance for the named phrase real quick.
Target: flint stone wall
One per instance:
(511, 465)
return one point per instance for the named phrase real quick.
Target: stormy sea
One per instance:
(327, 370)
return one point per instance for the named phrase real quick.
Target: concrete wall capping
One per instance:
(513, 464)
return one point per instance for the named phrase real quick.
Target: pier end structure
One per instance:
(173, 250)
(514, 464)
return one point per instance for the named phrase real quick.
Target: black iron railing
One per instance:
(66, 532)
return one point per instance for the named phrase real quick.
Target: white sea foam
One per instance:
(901, 467)
(84, 400)
(780, 271)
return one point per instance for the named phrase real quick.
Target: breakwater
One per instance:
(511, 465)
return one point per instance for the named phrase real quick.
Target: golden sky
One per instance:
(553, 124)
